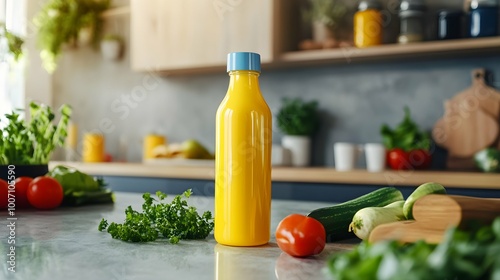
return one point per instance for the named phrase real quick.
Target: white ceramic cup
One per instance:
(375, 157)
(345, 156)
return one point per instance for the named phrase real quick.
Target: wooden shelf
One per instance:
(471, 180)
(475, 180)
(393, 51)
(430, 49)
(116, 11)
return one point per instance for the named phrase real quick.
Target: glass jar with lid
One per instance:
(368, 27)
(449, 24)
(483, 18)
(411, 14)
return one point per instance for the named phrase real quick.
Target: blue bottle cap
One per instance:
(243, 61)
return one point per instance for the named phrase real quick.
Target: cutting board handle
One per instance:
(478, 76)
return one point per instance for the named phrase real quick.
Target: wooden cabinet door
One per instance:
(176, 35)
(144, 34)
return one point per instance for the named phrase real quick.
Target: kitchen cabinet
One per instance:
(196, 35)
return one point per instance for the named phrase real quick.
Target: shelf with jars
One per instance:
(412, 29)
(427, 49)
(308, 32)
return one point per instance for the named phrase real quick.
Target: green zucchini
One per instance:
(366, 219)
(336, 218)
(422, 190)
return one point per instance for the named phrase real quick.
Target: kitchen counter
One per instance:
(65, 244)
(469, 180)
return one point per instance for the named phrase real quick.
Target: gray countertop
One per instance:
(65, 244)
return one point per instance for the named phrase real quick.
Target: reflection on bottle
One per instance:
(244, 262)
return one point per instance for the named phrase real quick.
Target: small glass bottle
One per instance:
(243, 140)
(483, 18)
(411, 14)
(368, 27)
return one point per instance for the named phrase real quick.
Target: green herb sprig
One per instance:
(461, 255)
(28, 143)
(407, 135)
(174, 221)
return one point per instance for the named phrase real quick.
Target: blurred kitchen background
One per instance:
(355, 97)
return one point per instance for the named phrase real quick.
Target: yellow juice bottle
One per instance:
(243, 157)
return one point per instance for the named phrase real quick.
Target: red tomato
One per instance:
(415, 159)
(108, 158)
(4, 190)
(398, 159)
(420, 159)
(45, 193)
(300, 236)
(22, 184)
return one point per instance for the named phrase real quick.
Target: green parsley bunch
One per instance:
(174, 221)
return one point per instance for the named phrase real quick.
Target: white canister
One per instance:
(346, 155)
(375, 157)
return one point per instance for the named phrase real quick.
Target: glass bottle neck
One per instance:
(244, 79)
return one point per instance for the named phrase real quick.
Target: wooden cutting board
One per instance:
(434, 214)
(443, 211)
(471, 121)
(465, 136)
(406, 232)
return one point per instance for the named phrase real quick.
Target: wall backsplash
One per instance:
(354, 99)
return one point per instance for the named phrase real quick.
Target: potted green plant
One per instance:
(14, 43)
(26, 146)
(325, 16)
(408, 147)
(298, 120)
(67, 22)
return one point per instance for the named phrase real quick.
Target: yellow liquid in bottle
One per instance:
(243, 164)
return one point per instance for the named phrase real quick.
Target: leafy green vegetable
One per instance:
(73, 180)
(406, 135)
(297, 117)
(174, 221)
(23, 142)
(80, 188)
(488, 160)
(79, 198)
(461, 255)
